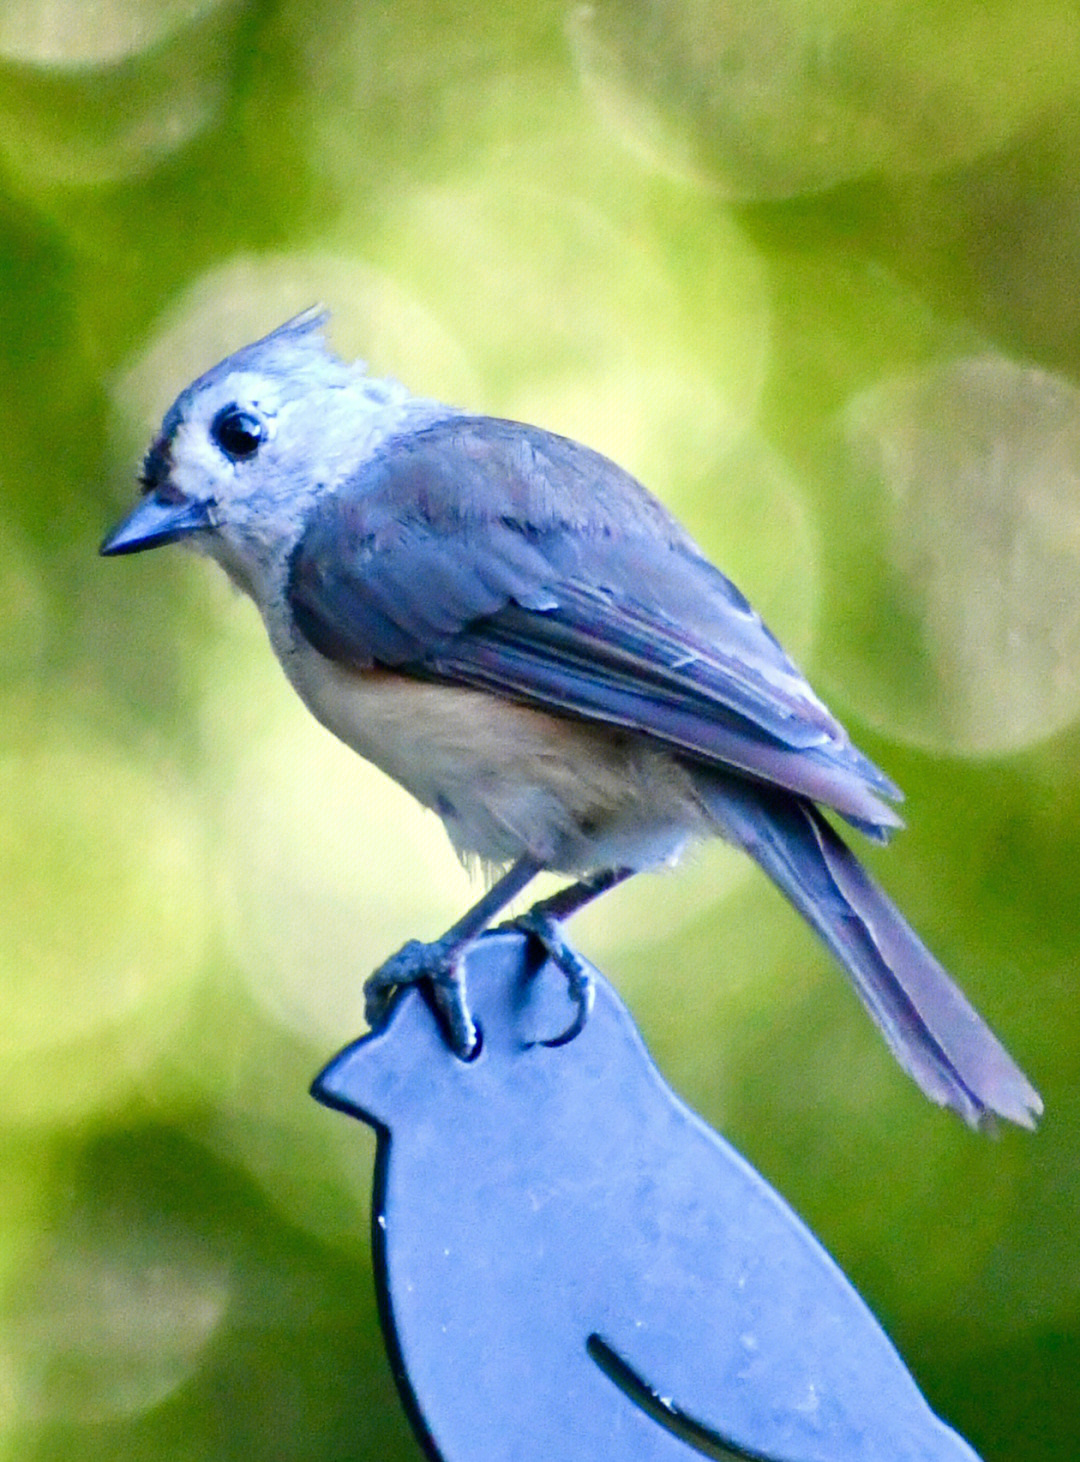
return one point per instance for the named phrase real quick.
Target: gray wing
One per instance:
(488, 554)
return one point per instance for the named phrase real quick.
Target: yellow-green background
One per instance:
(810, 268)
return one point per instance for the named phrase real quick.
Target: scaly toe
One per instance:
(411, 964)
(462, 1034)
(548, 933)
(440, 965)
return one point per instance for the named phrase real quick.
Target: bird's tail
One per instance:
(934, 1032)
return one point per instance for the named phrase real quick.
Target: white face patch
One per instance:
(311, 429)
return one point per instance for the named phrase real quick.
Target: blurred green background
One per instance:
(809, 268)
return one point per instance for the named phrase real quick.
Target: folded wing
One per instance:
(489, 554)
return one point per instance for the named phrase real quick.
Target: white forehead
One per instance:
(316, 431)
(292, 362)
(270, 393)
(255, 391)
(321, 416)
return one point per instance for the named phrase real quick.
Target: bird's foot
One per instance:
(542, 926)
(441, 965)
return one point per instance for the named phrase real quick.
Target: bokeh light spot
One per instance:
(977, 466)
(85, 999)
(372, 316)
(84, 103)
(107, 1331)
(92, 32)
(775, 98)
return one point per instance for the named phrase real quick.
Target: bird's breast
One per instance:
(505, 778)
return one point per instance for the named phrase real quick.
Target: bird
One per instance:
(570, 1263)
(514, 629)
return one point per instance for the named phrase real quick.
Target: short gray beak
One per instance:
(154, 521)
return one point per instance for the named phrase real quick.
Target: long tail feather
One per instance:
(931, 1028)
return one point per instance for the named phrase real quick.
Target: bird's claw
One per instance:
(546, 930)
(440, 966)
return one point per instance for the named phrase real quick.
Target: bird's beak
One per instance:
(155, 521)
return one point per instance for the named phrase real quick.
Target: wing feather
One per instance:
(489, 554)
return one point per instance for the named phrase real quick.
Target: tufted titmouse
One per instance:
(516, 631)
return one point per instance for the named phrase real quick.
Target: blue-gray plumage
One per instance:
(514, 629)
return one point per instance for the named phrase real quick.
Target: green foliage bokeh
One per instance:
(809, 269)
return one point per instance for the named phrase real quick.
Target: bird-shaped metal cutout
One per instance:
(572, 1265)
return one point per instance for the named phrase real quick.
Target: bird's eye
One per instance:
(238, 433)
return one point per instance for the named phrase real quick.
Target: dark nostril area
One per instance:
(156, 466)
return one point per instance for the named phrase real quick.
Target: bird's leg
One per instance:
(544, 922)
(441, 962)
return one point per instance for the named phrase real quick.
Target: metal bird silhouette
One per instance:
(572, 1266)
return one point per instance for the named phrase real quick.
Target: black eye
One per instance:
(238, 433)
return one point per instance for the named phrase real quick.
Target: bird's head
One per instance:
(245, 449)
